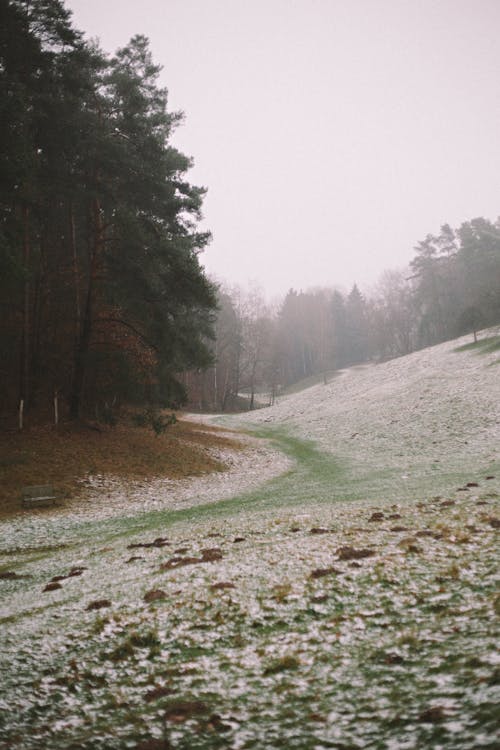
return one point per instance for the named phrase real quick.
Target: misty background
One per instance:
(350, 155)
(332, 135)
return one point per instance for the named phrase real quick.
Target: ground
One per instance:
(339, 590)
(71, 457)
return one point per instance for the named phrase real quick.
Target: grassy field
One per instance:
(338, 605)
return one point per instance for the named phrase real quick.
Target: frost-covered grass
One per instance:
(338, 605)
(408, 426)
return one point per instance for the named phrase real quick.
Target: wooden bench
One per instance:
(40, 494)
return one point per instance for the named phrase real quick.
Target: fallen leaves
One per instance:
(11, 575)
(322, 572)
(53, 586)
(181, 710)
(74, 572)
(154, 595)
(409, 544)
(63, 456)
(157, 692)
(287, 663)
(207, 555)
(222, 586)
(351, 553)
(158, 542)
(433, 715)
(98, 604)
(211, 555)
(154, 744)
(179, 562)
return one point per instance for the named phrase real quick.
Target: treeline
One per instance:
(452, 287)
(102, 297)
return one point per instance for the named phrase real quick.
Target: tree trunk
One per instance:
(76, 273)
(225, 391)
(25, 351)
(80, 358)
(37, 328)
(83, 342)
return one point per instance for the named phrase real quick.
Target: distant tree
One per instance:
(357, 327)
(471, 320)
(255, 330)
(392, 315)
(305, 332)
(430, 270)
(454, 272)
(227, 354)
(339, 330)
(451, 288)
(478, 267)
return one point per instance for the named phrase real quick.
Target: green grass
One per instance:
(482, 346)
(316, 477)
(313, 477)
(314, 470)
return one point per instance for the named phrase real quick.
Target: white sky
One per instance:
(332, 134)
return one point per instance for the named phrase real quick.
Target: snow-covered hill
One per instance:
(433, 411)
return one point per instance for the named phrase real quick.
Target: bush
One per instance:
(154, 419)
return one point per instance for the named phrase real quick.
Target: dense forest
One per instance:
(103, 298)
(452, 287)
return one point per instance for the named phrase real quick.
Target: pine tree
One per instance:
(103, 291)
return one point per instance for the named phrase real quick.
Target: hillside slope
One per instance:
(404, 424)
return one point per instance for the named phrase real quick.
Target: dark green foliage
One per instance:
(103, 296)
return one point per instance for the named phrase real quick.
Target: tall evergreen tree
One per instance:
(104, 293)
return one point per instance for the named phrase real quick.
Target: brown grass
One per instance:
(65, 455)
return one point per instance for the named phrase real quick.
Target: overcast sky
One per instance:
(332, 135)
